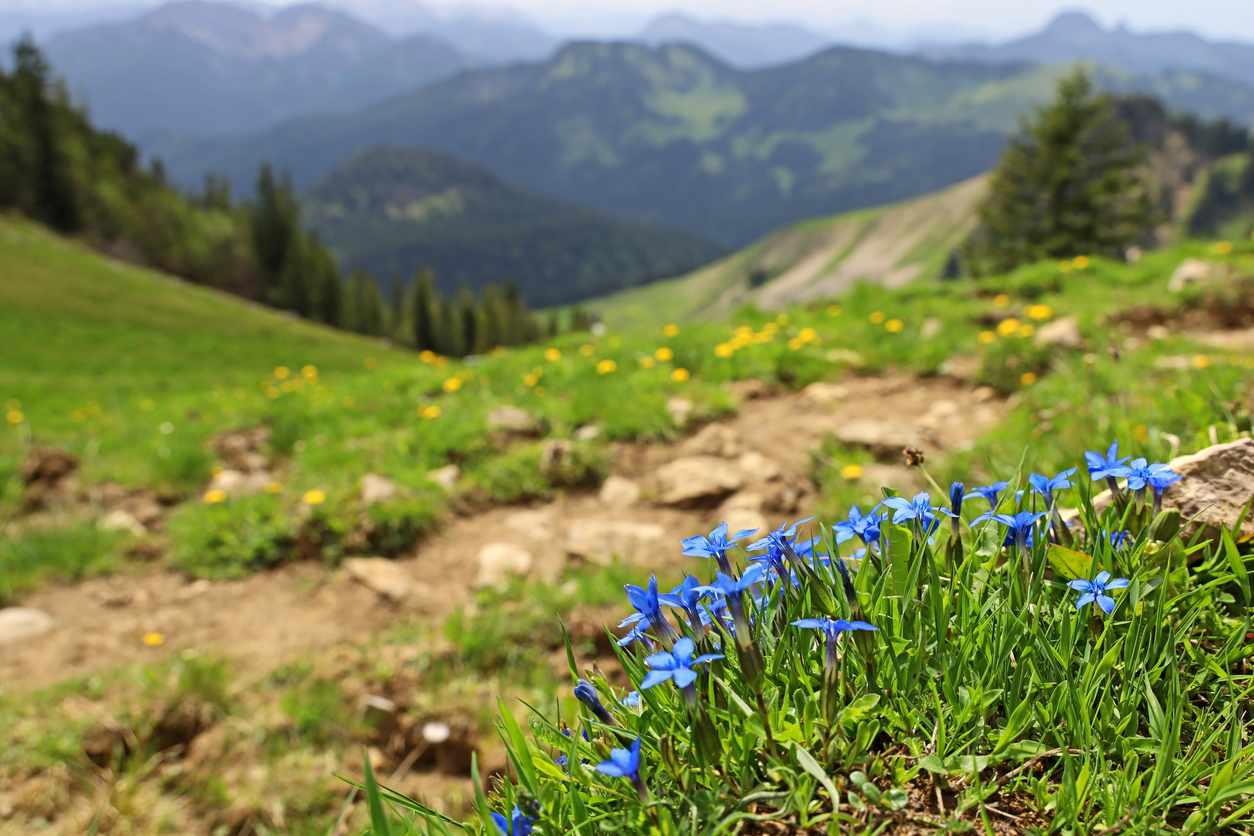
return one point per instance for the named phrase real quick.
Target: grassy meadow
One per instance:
(135, 373)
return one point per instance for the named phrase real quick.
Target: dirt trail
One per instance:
(266, 619)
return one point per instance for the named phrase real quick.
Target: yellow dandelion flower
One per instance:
(808, 335)
(1064, 267)
(531, 380)
(540, 390)
(216, 470)
(281, 372)
(1039, 312)
(1222, 247)
(309, 372)
(1027, 378)
(370, 362)
(770, 328)
(671, 330)
(782, 319)
(851, 471)
(273, 392)
(615, 341)
(985, 337)
(664, 354)
(153, 639)
(452, 384)
(724, 350)
(1201, 361)
(679, 375)
(215, 496)
(430, 412)
(1026, 330)
(14, 416)
(647, 362)
(552, 355)
(876, 318)
(314, 497)
(149, 406)
(426, 355)
(1007, 327)
(1080, 262)
(894, 326)
(586, 349)
(795, 343)
(274, 487)
(606, 366)
(1001, 300)
(1140, 433)
(833, 310)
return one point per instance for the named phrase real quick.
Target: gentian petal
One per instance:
(1101, 578)
(684, 677)
(656, 677)
(1086, 598)
(1117, 583)
(1106, 603)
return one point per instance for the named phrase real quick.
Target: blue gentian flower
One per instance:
(715, 613)
(726, 585)
(675, 665)
(919, 510)
(1095, 590)
(833, 627)
(1109, 466)
(715, 545)
(635, 634)
(1118, 539)
(957, 493)
(685, 597)
(992, 493)
(625, 763)
(1046, 486)
(649, 610)
(517, 825)
(1141, 472)
(631, 700)
(1020, 525)
(586, 694)
(865, 527)
(1158, 481)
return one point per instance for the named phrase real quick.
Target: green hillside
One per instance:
(392, 211)
(889, 245)
(673, 137)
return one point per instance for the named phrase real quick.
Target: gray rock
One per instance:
(696, 480)
(930, 329)
(376, 489)
(497, 561)
(714, 440)
(757, 466)
(380, 575)
(680, 410)
(600, 541)
(531, 524)
(1063, 332)
(588, 432)
(825, 393)
(618, 492)
(513, 420)
(1190, 272)
(121, 520)
(446, 477)
(230, 482)
(886, 439)
(554, 453)
(18, 623)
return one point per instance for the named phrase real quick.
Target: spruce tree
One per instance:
(275, 225)
(293, 292)
(52, 195)
(470, 335)
(422, 313)
(396, 307)
(1066, 185)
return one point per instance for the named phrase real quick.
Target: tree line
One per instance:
(58, 169)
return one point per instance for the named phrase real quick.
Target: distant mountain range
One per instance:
(740, 45)
(1074, 36)
(673, 137)
(392, 211)
(204, 68)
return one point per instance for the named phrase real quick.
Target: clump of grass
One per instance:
(67, 553)
(232, 539)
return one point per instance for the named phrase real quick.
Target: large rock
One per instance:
(1063, 332)
(618, 492)
(885, 439)
(18, 623)
(380, 575)
(1216, 485)
(714, 440)
(758, 466)
(745, 519)
(511, 419)
(600, 541)
(696, 480)
(376, 489)
(497, 561)
(239, 483)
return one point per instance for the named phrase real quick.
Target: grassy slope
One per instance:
(815, 259)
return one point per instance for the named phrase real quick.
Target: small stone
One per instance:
(600, 541)
(435, 732)
(983, 394)
(18, 623)
(618, 492)
(446, 477)
(513, 420)
(714, 440)
(696, 480)
(885, 439)
(376, 489)
(847, 356)
(588, 432)
(533, 525)
(1157, 332)
(680, 410)
(498, 561)
(758, 466)
(380, 575)
(230, 482)
(930, 329)
(1063, 332)
(825, 393)
(198, 587)
(120, 520)
(1190, 272)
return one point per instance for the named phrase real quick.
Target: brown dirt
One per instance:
(261, 621)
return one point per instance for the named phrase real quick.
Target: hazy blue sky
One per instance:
(1233, 19)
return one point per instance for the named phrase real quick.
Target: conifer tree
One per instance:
(293, 293)
(1066, 185)
(396, 307)
(470, 334)
(52, 196)
(422, 313)
(275, 224)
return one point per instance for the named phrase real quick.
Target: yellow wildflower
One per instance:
(530, 380)
(281, 372)
(1025, 330)
(1222, 247)
(833, 310)
(671, 330)
(1140, 433)
(309, 372)
(770, 328)
(606, 366)
(153, 639)
(679, 375)
(314, 497)
(426, 355)
(986, 337)
(274, 487)
(552, 355)
(782, 319)
(795, 343)
(586, 349)
(216, 470)
(851, 471)
(894, 326)
(647, 362)
(1007, 327)
(724, 350)
(876, 318)
(1039, 311)
(215, 496)
(664, 354)
(452, 384)
(430, 411)
(1201, 361)
(808, 335)
(1080, 262)
(14, 416)
(1001, 300)
(1027, 378)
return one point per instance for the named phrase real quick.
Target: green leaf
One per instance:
(899, 547)
(810, 765)
(933, 763)
(1071, 563)
(859, 708)
(1015, 724)
(378, 819)
(1237, 565)
(518, 751)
